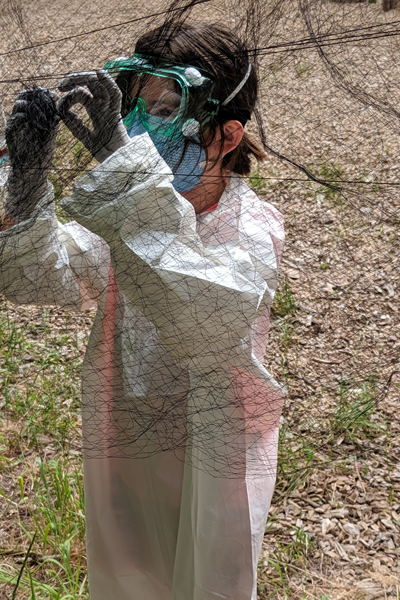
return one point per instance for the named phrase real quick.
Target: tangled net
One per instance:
(175, 359)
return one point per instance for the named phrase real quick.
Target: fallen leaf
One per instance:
(351, 529)
(326, 525)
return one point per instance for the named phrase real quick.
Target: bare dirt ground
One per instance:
(335, 336)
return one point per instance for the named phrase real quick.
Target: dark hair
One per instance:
(217, 52)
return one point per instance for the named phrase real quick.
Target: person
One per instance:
(180, 417)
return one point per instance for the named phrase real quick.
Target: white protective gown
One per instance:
(180, 418)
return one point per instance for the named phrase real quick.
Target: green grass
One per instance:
(78, 151)
(71, 160)
(39, 387)
(284, 302)
(277, 64)
(53, 579)
(283, 312)
(40, 358)
(287, 559)
(296, 458)
(40, 391)
(355, 409)
(351, 419)
(287, 329)
(332, 174)
(257, 182)
(50, 504)
(302, 69)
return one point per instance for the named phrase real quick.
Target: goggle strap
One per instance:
(239, 87)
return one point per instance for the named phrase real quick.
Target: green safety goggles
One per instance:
(168, 98)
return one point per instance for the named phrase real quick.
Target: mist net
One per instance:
(206, 338)
(174, 361)
(178, 361)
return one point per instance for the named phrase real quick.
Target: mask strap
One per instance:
(239, 87)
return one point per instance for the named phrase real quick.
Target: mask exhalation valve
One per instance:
(190, 128)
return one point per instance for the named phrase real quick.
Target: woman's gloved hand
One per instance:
(103, 105)
(31, 133)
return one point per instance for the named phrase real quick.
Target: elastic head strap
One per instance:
(239, 87)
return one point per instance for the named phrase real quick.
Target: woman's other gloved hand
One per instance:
(103, 104)
(31, 133)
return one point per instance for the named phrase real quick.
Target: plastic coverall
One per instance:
(182, 313)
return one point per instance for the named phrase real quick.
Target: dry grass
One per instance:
(334, 527)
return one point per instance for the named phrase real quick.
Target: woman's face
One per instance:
(162, 99)
(160, 94)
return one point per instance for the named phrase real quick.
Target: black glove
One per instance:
(102, 102)
(31, 133)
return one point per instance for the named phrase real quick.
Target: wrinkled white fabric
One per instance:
(183, 313)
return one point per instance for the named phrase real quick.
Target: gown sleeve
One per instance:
(202, 300)
(45, 262)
